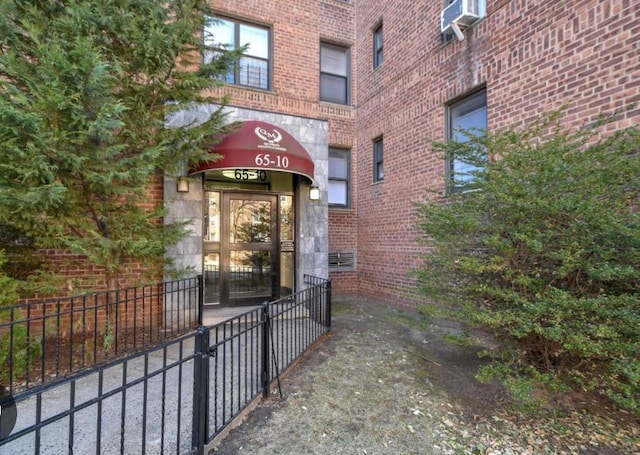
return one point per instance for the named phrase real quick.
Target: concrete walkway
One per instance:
(126, 410)
(144, 404)
(215, 314)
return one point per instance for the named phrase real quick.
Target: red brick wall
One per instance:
(136, 308)
(298, 28)
(533, 57)
(342, 232)
(83, 276)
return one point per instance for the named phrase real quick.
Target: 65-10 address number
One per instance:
(266, 160)
(250, 174)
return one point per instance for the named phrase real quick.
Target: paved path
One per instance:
(144, 404)
(119, 398)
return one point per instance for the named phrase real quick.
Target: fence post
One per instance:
(328, 303)
(200, 390)
(200, 300)
(265, 349)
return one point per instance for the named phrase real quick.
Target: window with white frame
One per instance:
(254, 67)
(334, 74)
(466, 116)
(339, 181)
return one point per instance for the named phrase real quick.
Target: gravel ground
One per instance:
(385, 382)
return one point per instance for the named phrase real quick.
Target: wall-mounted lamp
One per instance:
(314, 193)
(182, 185)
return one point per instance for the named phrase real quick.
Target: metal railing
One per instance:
(44, 340)
(139, 404)
(247, 353)
(176, 397)
(240, 280)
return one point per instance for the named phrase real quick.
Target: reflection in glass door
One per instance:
(287, 248)
(248, 247)
(211, 239)
(249, 272)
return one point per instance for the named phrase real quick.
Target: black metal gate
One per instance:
(175, 397)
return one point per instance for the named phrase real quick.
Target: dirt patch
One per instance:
(386, 382)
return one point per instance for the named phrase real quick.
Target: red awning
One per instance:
(260, 145)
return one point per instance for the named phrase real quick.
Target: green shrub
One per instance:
(18, 351)
(8, 286)
(545, 252)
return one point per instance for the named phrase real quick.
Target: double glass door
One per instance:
(242, 248)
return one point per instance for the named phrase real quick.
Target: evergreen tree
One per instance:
(86, 87)
(545, 252)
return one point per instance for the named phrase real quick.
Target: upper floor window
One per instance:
(254, 67)
(334, 74)
(378, 56)
(465, 117)
(378, 163)
(339, 172)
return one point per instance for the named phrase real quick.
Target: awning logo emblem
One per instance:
(271, 139)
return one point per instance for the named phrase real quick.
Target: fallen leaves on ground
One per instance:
(375, 387)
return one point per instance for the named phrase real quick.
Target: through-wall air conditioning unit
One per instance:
(461, 14)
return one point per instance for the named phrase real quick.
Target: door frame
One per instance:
(225, 247)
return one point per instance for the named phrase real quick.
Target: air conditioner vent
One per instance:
(342, 261)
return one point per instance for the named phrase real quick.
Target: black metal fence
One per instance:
(177, 397)
(249, 352)
(241, 280)
(44, 340)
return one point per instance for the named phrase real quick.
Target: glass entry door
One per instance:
(243, 270)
